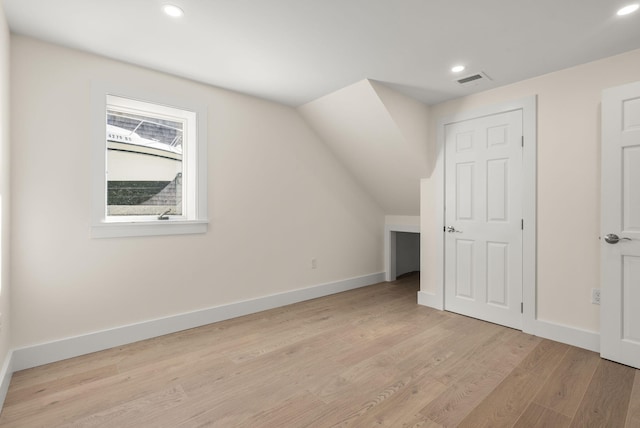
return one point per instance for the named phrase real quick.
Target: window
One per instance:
(149, 166)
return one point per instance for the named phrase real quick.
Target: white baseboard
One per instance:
(430, 300)
(5, 377)
(573, 336)
(58, 350)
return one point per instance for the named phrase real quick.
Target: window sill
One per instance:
(150, 228)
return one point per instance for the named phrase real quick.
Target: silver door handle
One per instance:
(452, 229)
(612, 238)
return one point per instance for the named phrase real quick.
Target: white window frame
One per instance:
(194, 218)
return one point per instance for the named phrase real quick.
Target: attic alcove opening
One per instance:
(402, 250)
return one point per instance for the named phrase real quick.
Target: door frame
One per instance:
(528, 106)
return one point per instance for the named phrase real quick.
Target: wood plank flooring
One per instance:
(365, 358)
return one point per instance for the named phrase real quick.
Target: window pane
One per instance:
(144, 164)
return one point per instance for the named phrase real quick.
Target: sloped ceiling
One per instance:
(380, 135)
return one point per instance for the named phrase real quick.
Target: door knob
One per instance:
(612, 238)
(452, 229)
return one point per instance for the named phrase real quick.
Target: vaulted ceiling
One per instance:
(296, 51)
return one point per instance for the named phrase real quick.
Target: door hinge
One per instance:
(522, 141)
(521, 224)
(521, 307)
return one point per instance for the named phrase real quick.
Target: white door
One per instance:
(620, 243)
(483, 214)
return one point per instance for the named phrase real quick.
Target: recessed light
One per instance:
(628, 9)
(457, 68)
(172, 10)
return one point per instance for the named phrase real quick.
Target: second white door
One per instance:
(483, 218)
(620, 245)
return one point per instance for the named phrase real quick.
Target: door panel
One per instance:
(497, 189)
(483, 186)
(620, 288)
(497, 273)
(464, 184)
(631, 114)
(630, 299)
(497, 136)
(464, 268)
(631, 187)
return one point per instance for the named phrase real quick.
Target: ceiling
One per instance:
(295, 51)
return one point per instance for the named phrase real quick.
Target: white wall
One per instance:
(402, 220)
(568, 183)
(411, 117)
(381, 136)
(277, 198)
(4, 191)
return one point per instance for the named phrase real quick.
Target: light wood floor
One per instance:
(367, 357)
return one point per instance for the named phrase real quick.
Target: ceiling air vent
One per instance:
(473, 79)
